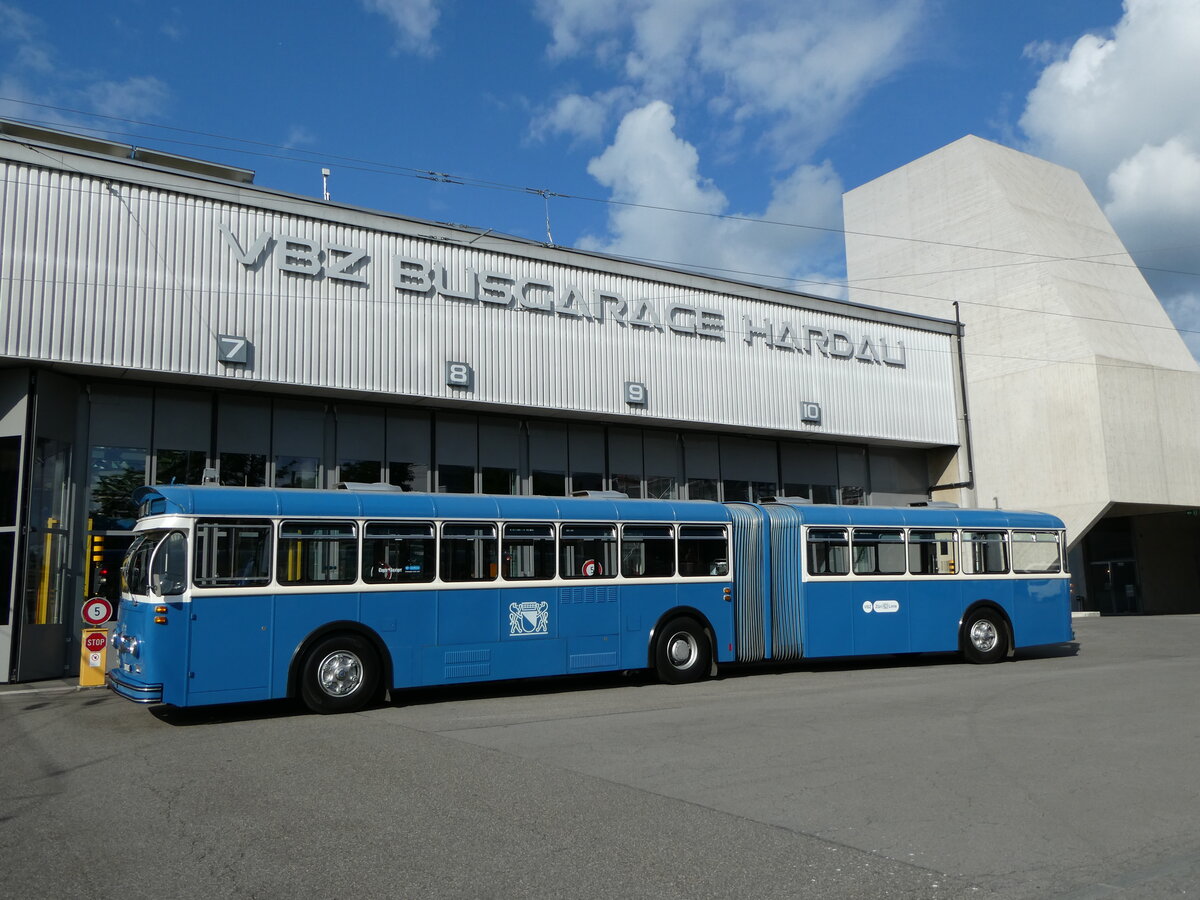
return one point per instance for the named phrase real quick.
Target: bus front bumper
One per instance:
(132, 690)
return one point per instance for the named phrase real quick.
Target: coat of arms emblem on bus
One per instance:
(529, 617)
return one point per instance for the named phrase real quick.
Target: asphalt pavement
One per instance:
(1068, 772)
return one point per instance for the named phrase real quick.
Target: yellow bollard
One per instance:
(93, 656)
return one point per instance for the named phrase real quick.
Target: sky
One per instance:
(714, 134)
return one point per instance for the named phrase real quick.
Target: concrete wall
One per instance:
(1080, 391)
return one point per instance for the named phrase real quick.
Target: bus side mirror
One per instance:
(164, 586)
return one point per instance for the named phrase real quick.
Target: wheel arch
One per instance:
(346, 626)
(675, 613)
(991, 606)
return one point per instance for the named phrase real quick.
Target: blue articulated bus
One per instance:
(335, 597)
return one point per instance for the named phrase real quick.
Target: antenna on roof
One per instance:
(325, 183)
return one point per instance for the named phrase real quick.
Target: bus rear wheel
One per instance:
(985, 637)
(340, 674)
(682, 652)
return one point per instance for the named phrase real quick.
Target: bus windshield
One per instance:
(141, 563)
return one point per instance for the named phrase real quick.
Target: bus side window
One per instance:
(318, 553)
(398, 552)
(232, 553)
(985, 552)
(828, 551)
(932, 552)
(1036, 552)
(878, 551)
(588, 551)
(469, 552)
(703, 550)
(647, 551)
(528, 552)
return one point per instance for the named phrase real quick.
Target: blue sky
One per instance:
(758, 109)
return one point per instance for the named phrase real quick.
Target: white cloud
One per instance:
(651, 172)
(582, 118)
(414, 21)
(134, 98)
(1120, 108)
(797, 67)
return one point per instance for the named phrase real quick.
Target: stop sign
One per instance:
(95, 642)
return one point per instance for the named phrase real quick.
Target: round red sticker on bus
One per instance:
(591, 569)
(97, 611)
(95, 642)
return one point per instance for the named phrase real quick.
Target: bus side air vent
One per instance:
(369, 486)
(601, 495)
(936, 504)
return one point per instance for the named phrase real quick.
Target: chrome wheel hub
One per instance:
(984, 636)
(682, 650)
(340, 673)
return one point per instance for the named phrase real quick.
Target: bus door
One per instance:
(535, 620)
(881, 594)
(829, 604)
(936, 599)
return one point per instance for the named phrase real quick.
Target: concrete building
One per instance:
(162, 320)
(1083, 400)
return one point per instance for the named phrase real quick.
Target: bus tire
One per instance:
(985, 637)
(682, 652)
(340, 674)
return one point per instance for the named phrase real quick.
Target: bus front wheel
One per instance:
(341, 674)
(985, 637)
(682, 652)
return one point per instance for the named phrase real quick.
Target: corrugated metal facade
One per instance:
(109, 272)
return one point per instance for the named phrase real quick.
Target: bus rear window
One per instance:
(588, 551)
(232, 553)
(828, 551)
(318, 553)
(1035, 552)
(398, 552)
(469, 552)
(528, 552)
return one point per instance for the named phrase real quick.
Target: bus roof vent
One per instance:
(936, 504)
(368, 486)
(788, 501)
(601, 495)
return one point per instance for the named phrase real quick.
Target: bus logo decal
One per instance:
(529, 617)
(885, 606)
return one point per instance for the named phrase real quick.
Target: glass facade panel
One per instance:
(456, 479)
(244, 469)
(297, 471)
(179, 466)
(113, 474)
(363, 471)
